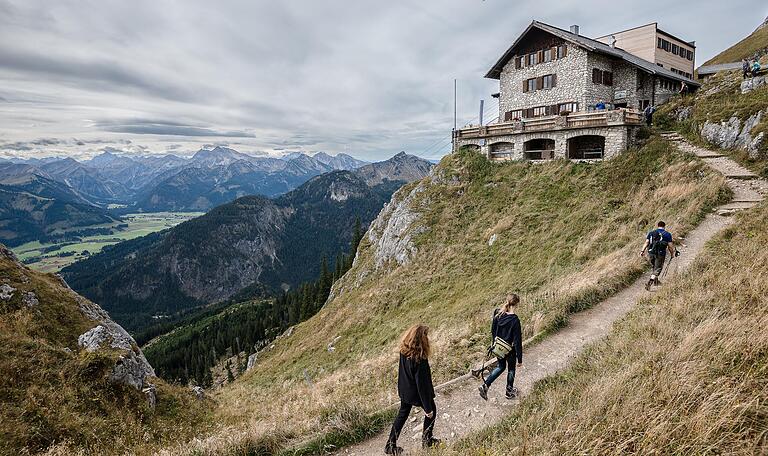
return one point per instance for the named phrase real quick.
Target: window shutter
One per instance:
(565, 50)
(554, 80)
(553, 50)
(540, 57)
(517, 63)
(507, 116)
(596, 76)
(607, 78)
(540, 83)
(525, 85)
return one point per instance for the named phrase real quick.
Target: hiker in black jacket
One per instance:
(506, 331)
(414, 386)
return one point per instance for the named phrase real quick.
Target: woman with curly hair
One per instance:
(414, 386)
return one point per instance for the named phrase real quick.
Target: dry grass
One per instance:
(567, 237)
(684, 373)
(52, 396)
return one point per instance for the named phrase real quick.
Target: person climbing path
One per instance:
(657, 243)
(463, 413)
(507, 337)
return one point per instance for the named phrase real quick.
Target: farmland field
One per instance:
(51, 257)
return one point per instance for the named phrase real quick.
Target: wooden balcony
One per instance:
(617, 117)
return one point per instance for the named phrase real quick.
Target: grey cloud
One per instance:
(166, 128)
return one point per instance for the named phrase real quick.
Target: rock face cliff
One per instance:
(735, 134)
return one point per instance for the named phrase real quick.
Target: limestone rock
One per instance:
(391, 234)
(492, 239)
(683, 113)
(29, 299)
(751, 84)
(150, 392)
(199, 392)
(6, 292)
(251, 362)
(731, 134)
(131, 368)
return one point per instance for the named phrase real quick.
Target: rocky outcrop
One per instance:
(6, 292)
(391, 234)
(751, 84)
(131, 367)
(732, 134)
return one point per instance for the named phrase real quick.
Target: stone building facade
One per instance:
(551, 85)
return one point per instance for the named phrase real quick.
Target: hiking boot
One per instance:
(392, 448)
(483, 389)
(511, 394)
(430, 442)
(648, 285)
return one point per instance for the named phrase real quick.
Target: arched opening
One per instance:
(586, 147)
(471, 147)
(502, 150)
(539, 149)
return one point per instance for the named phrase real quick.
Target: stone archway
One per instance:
(539, 149)
(502, 150)
(586, 147)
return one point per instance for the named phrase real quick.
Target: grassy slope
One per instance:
(684, 373)
(717, 100)
(745, 48)
(51, 396)
(567, 235)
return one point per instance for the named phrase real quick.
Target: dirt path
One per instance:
(460, 409)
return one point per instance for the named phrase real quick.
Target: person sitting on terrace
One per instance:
(600, 105)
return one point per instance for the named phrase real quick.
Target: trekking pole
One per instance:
(669, 263)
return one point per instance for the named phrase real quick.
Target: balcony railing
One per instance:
(575, 120)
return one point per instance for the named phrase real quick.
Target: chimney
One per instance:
(613, 41)
(575, 29)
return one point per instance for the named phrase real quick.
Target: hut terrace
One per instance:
(552, 85)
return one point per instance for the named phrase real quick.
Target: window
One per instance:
(531, 84)
(689, 55)
(532, 59)
(540, 111)
(541, 56)
(548, 81)
(607, 78)
(659, 43)
(602, 77)
(562, 51)
(675, 48)
(519, 62)
(570, 107)
(547, 55)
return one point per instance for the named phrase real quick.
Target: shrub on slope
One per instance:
(562, 234)
(684, 373)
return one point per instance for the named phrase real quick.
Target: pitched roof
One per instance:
(712, 69)
(590, 45)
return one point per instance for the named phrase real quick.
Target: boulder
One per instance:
(199, 392)
(6, 292)
(751, 84)
(251, 361)
(29, 299)
(732, 134)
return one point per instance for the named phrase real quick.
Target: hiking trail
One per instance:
(460, 409)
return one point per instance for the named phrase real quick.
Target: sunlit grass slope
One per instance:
(566, 235)
(684, 373)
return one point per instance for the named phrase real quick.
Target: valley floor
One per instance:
(461, 412)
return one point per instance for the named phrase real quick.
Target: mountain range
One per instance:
(251, 245)
(35, 190)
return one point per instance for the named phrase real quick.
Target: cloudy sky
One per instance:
(365, 77)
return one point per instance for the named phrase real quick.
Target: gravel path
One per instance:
(460, 409)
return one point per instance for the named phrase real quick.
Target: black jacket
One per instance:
(507, 326)
(414, 383)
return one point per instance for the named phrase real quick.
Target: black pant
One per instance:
(657, 264)
(402, 417)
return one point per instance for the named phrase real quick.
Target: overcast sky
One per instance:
(365, 77)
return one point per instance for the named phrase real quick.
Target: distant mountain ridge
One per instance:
(251, 243)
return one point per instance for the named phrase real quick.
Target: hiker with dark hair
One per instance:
(657, 243)
(507, 345)
(414, 386)
(745, 68)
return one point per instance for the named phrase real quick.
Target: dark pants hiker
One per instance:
(657, 263)
(508, 364)
(402, 417)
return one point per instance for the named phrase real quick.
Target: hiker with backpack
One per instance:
(507, 335)
(414, 386)
(657, 243)
(648, 114)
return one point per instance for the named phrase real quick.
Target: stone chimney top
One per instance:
(613, 41)
(575, 29)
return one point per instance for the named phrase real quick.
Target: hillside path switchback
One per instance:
(460, 409)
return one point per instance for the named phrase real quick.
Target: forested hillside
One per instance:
(443, 253)
(253, 244)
